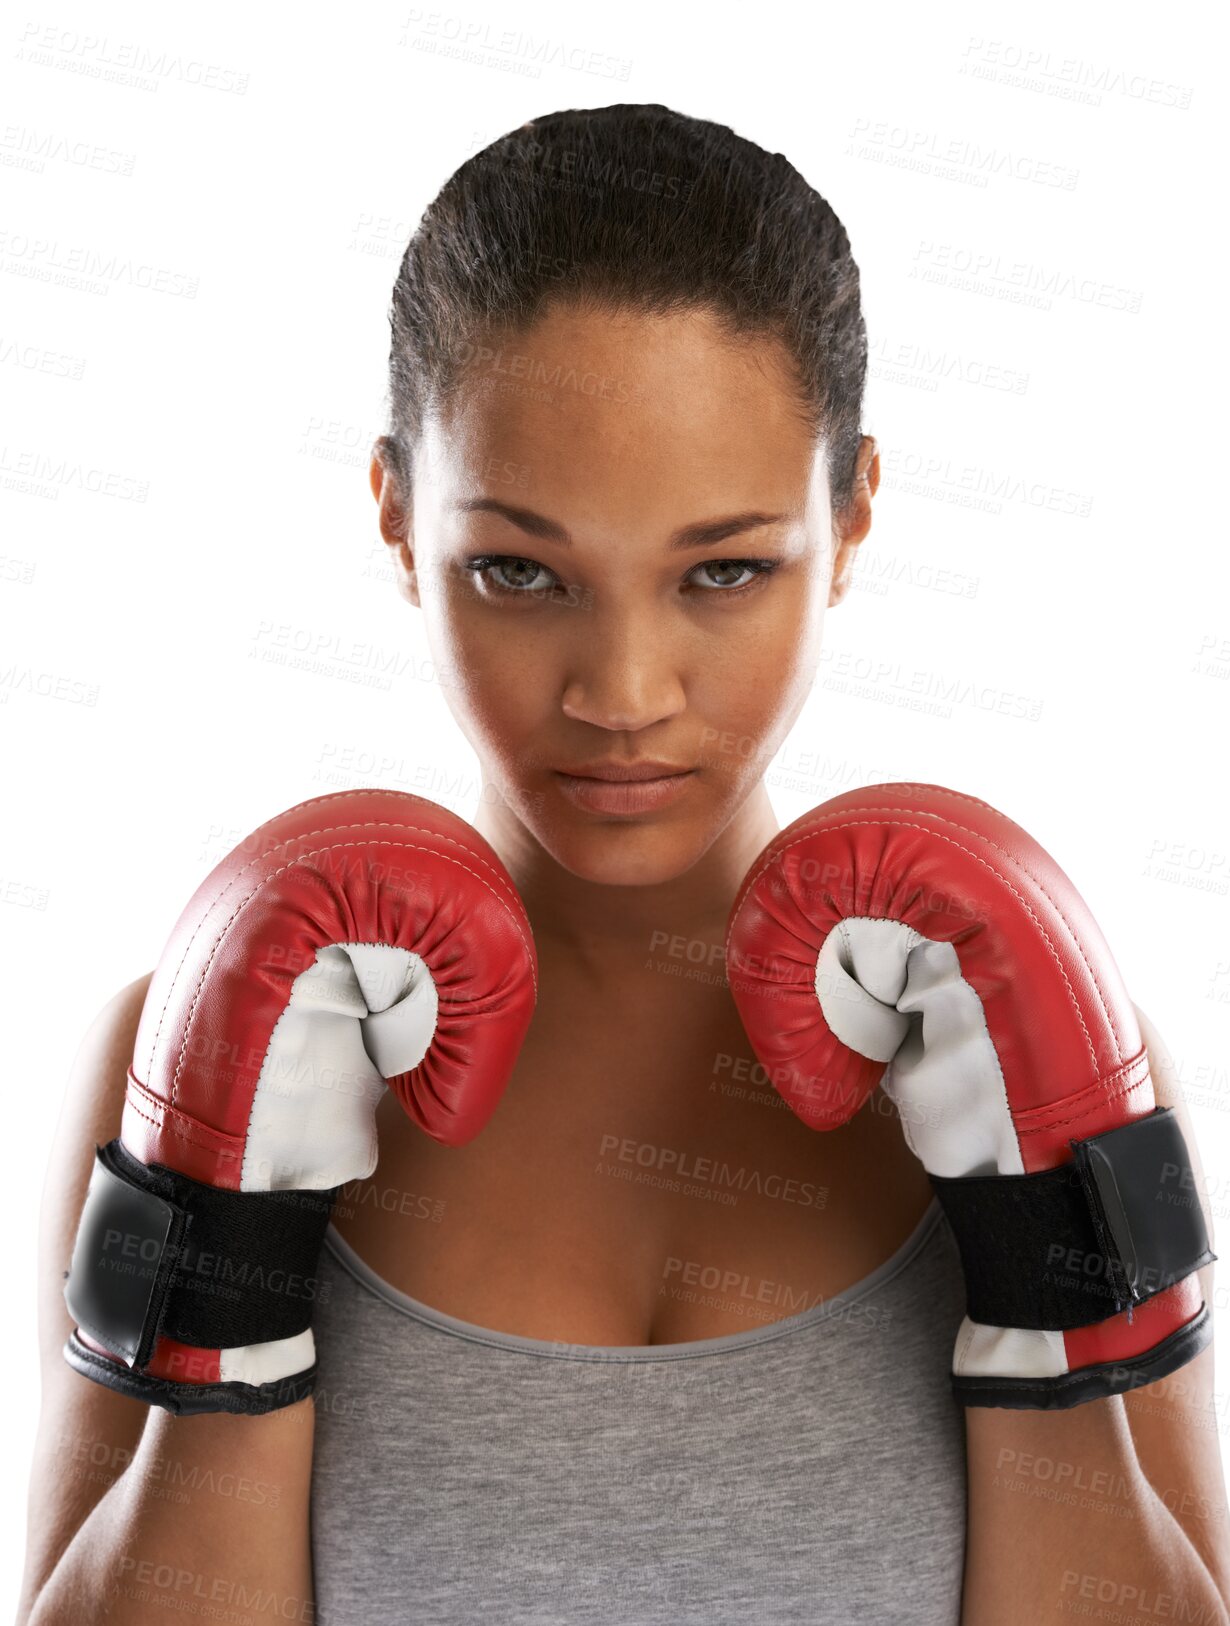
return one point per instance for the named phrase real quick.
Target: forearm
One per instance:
(1062, 1520)
(209, 1518)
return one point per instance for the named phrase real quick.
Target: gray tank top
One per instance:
(807, 1470)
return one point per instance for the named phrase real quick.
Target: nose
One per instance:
(625, 676)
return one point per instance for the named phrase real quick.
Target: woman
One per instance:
(648, 1349)
(623, 532)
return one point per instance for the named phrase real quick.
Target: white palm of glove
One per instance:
(893, 995)
(361, 1013)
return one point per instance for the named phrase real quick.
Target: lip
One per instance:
(624, 793)
(610, 768)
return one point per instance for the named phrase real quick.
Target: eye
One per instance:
(754, 567)
(513, 576)
(525, 574)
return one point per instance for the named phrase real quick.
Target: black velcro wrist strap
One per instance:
(1072, 1246)
(161, 1255)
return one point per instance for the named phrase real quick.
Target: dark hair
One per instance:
(633, 207)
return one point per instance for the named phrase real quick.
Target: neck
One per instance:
(607, 927)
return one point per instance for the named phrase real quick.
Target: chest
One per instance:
(649, 1190)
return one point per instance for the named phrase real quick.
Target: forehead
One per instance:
(595, 413)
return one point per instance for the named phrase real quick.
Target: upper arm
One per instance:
(1175, 1421)
(87, 1433)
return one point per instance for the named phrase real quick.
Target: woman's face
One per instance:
(621, 538)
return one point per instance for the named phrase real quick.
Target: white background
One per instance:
(203, 217)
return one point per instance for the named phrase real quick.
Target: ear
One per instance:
(394, 517)
(851, 523)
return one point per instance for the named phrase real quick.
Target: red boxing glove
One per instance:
(910, 933)
(357, 940)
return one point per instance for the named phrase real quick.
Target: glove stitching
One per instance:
(181, 1118)
(999, 874)
(1094, 1096)
(310, 835)
(273, 874)
(368, 824)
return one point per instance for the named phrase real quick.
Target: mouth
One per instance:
(615, 791)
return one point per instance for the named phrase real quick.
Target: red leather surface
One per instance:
(375, 866)
(959, 871)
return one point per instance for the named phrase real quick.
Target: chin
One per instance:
(626, 852)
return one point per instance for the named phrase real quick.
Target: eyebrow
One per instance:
(702, 534)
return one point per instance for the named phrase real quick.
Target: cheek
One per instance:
(750, 696)
(499, 682)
